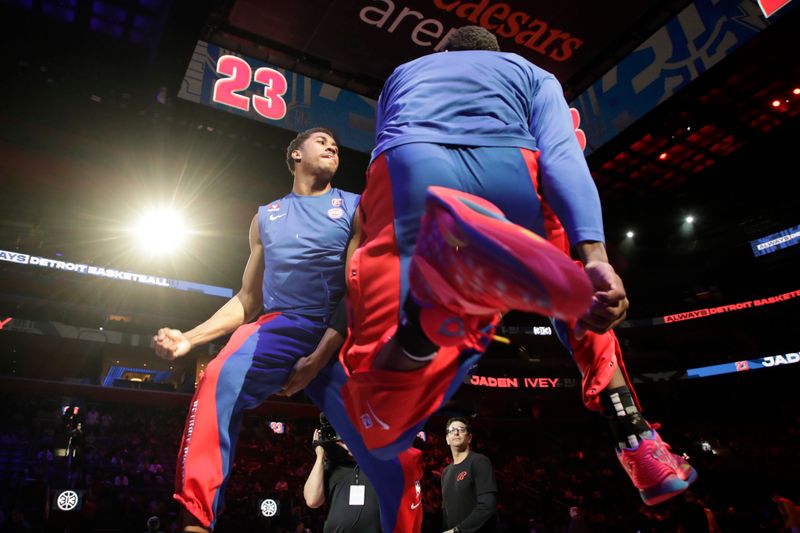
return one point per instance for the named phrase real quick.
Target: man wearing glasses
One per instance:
(469, 491)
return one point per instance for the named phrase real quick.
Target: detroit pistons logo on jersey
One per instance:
(336, 211)
(274, 211)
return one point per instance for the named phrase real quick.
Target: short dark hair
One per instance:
(472, 38)
(298, 141)
(458, 419)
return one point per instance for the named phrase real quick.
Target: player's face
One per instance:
(320, 154)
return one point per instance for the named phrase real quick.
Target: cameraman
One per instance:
(336, 478)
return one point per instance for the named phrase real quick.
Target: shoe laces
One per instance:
(480, 337)
(651, 465)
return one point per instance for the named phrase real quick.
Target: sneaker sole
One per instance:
(692, 477)
(523, 260)
(668, 488)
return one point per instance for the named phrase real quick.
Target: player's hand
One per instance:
(171, 344)
(305, 369)
(609, 303)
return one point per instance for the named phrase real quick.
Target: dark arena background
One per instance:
(127, 184)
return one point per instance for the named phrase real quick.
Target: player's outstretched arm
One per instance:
(172, 343)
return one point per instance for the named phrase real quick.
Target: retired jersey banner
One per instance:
(696, 39)
(251, 88)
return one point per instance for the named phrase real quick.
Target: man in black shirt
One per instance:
(337, 479)
(469, 491)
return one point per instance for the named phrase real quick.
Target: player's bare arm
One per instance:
(245, 305)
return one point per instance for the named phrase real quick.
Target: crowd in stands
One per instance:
(553, 475)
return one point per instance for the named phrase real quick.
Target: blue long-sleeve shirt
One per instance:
(483, 98)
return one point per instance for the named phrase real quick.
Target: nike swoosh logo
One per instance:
(383, 424)
(415, 505)
(276, 217)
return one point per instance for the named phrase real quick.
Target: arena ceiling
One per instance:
(82, 92)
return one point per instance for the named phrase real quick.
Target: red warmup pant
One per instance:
(388, 407)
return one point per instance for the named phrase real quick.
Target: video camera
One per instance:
(332, 443)
(327, 435)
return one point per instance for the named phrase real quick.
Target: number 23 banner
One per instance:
(279, 97)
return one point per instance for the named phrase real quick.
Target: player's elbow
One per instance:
(251, 303)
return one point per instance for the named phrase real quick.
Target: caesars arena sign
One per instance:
(563, 37)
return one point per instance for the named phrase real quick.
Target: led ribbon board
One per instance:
(743, 366)
(91, 270)
(251, 88)
(711, 311)
(519, 383)
(776, 241)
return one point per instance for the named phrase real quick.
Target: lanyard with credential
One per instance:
(357, 492)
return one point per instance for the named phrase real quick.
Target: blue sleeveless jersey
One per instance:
(305, 242)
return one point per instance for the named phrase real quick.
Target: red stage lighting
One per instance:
(663, 155)
(776, 103)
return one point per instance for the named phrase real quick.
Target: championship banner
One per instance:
(776, 241)
(695, 40)
(248, 87)
(91, 270)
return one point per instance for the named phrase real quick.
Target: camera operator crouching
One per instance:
(337, 479)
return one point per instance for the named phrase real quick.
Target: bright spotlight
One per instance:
(160, 231)
(689, 219)
(629, 234)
